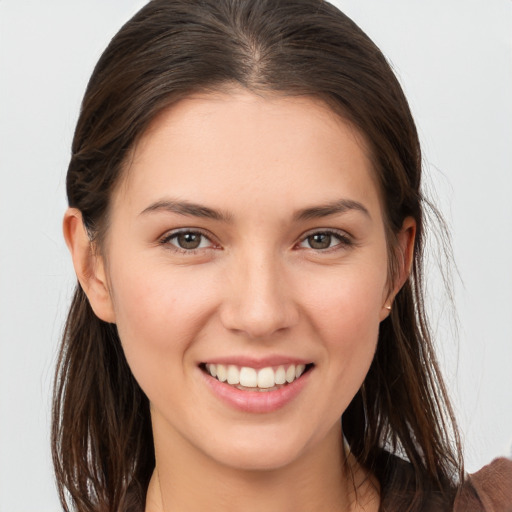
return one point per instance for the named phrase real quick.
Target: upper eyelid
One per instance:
(330, 231)
(174, 232)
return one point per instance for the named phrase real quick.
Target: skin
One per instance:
(256, 286)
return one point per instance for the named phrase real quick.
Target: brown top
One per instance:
(488, 490)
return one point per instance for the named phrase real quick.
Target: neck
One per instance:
(323, 479)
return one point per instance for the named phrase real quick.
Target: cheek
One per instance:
(345, 315)
(158, 315)
(347, 303)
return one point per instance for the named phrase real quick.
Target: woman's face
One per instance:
(247, 241)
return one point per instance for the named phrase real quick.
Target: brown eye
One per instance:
(323, 240)
(320, 240)
(188, 240)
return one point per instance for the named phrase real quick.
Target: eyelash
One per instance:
(344, 240)
(166, 239)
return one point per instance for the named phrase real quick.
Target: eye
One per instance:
(187, 240)
(322, 240)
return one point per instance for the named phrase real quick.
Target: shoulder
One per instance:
(487, 490)
(401, 490)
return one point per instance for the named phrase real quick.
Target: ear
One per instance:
(89, 265)
(405, 238)
(405, 257)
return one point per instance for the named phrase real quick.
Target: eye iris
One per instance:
(189, 240)
(319, 241)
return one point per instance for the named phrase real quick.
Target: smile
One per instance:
(246, 378)
(257, 388)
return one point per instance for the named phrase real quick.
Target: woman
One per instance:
(246, 225)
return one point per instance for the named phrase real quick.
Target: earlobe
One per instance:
(89, 265)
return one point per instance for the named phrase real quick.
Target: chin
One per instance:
(258, 460)
(260, 451)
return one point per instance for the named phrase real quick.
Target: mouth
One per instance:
(246, 378)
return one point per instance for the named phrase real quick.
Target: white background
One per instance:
(454, 61)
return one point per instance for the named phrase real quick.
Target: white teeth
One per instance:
(280, 377)
(248, 377)
(290, 374)
(233, 375)
(265, 379)
(222, 373)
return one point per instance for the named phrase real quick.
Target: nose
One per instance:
(259, 298)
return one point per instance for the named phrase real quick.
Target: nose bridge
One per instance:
(259, 302)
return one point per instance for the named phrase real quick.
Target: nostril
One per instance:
(258, 322)
(258, 305)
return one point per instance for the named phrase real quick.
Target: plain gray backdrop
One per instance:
(454, 61)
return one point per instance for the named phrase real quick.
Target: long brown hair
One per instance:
(101, 437)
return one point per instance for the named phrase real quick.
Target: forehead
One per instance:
(239, 148)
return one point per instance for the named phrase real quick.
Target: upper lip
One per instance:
(257, 362)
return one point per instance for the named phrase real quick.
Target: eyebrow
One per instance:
(186, 208)
(332, 208)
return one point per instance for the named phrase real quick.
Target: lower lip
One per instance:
(256, 401)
